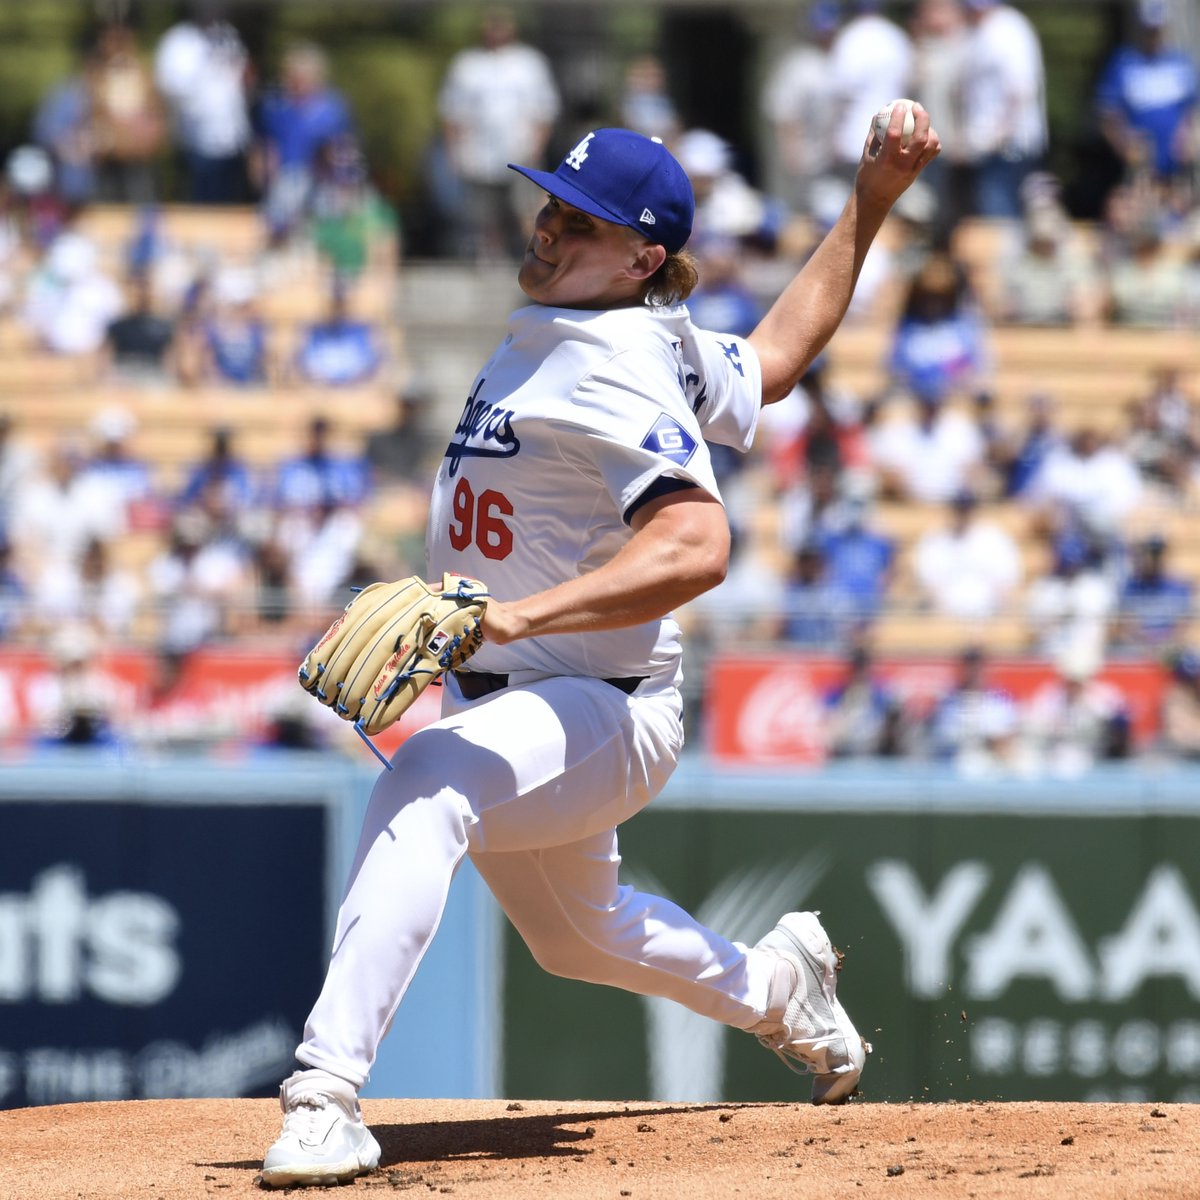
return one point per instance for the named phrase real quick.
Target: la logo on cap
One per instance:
(578, 156)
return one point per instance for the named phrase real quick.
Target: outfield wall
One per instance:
(164, 925)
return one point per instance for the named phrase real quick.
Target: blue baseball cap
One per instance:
(627, 178)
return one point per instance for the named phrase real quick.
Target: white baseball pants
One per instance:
(531, 782)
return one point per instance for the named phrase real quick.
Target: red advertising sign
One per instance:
(226, 697)
(769, 709)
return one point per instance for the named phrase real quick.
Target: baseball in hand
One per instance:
(884, 116)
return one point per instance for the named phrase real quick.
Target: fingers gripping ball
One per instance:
(883, 118)
(390, 644)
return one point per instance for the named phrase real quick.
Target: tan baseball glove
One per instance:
(390, 644)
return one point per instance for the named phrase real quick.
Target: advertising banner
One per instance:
(990, 955)
(156, 949)
(769, 709)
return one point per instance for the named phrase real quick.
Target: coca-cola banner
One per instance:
(770, 708)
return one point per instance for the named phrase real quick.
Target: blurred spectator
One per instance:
(723, 301)
(32, 215)
(1088, 480)
(138, 343)
(727, 206)
(939, 31)
(813, 507)
(645, 103)
(14, 595)
(62, 126)
(1146, 102)
(114, 463)
(1049, 281)
(1002, 106)
(75, 703)
(1074, 721)
(797, 103)
(353, 227)
(940, 341)
(498, 103)
(70, 301)
(403, 452)
(293, 123)
(864, 718)
(970, 569)
(95, 592)
(859, 560)
(174, 714)
(927, 455)
(340, 350)
(318, 476)
(196, 583)
(19, 463)
(62, 508)
(203, 71)
(997, 445)
(1172, 403)
(1181, 707)
(870, 64)
(235, 346)
(819, 425)
(1073, 602)
(1154, 604)
(127, 128)
(1147, 287)
(322, 544)
(974, 726)
(816, 612)
(1033, 445)
(221, 469)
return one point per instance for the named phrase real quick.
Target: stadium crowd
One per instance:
(914, 484)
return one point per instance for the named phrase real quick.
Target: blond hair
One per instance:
(674, 281)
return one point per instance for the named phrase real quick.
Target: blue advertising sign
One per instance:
(156, 949)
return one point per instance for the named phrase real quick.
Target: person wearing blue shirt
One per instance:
(939, 342)
(1154, 605)
(220, 468)
(292, 125)
(339, 351)
(817, 613)
(863, 716)
(317, 477)
(858, 560)
(1146, 98)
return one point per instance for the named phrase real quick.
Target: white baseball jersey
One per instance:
(577, 418)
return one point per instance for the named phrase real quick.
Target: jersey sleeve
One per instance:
(631, 427)
(723, 382)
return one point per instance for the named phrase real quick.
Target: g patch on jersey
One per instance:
(671, 440)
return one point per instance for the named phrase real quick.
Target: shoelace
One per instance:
(303, 1116)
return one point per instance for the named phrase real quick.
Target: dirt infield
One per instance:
(170, 1149)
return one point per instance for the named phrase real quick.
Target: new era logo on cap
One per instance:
(628, 178)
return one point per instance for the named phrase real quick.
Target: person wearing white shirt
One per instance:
(927, 456)
(870, 65)
(1094, 482)
(970, 569)
(498, 103)
(1002, 106)
(796, 103)
(200, 68)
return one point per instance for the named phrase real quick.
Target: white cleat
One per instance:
(324, 1141)
(806, 1025)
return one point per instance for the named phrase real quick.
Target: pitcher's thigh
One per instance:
(556, 761)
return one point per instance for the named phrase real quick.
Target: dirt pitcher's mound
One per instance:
(169, 1149)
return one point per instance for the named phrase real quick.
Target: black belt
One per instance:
(474, 685)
